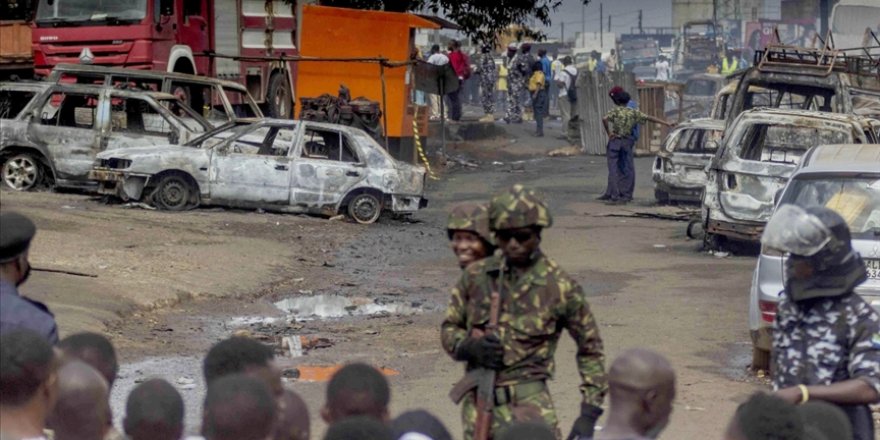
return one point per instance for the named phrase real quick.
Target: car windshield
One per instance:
(782, 143)
(856, 198)
(219, 134)
(55, 11)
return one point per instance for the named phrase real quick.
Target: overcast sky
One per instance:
(624, 14)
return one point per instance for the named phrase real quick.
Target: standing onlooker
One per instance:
(16, 311)
(437, 58)
(486, 70)
(641, 386)
(154, 411)
(664, 72)
(97, 351)
(519, 71)
(548, 79)
(357, 390)
(29, 384)
(729, 64)
(461, 66)
(82, 411)
(826, 338)
(238, 407)
(619, 124)
(765, 417)
(598, 62)
(293, 417)
(555, 67)
(502, 86)
(567, 98)
(611, 64)
(539, 95)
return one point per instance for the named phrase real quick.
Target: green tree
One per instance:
(480, 20)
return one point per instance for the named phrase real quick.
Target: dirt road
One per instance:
(170, 285)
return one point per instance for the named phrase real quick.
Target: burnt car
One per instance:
(699, 94)
(680, 167)
(50, 133)
(218, 100)
(758, 154)
(271, 164)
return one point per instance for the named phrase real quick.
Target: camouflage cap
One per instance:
(473, 217)
(518, 207)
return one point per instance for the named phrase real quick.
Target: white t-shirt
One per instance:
(662, 70)
(564, 78)
(438, 59)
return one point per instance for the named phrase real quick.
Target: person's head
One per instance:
(356, 390)
(469, 234)
(526, 47)
(613, 52)
(620, 99)
(511, 49)
(360, 428)
(293, 418)
(821, 262)
(419, 424)
(517, 216)
(15, 241)
(82, 411)
(566, 60)
(154, 410)
(238, 407)
(661, 58)
(435, 49)
(542, 53)
(454, 45)
(28, 373)
(486, 48)
(527, 431)
(765, 417)
(642, 387)
(95, 350)
(243, 355)
(615, 92)
(537, 67)
(824, 421)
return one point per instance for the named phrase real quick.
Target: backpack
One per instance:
(572, 87)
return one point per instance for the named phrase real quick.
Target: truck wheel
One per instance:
(661, 196)
(278, 97)
(173, 193)
(760, 359)
(22, 172)
(364, 208)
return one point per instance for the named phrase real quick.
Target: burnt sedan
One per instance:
(272, 164)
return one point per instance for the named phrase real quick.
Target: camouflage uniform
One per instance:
(535, 307)
(519, 68)
(622, 121)
(488, 77)
(829, 340)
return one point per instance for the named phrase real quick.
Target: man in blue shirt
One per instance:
(548, 77)
(16, 311)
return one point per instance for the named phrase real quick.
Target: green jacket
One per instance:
(535, 308)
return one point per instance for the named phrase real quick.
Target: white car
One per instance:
(273, 164)
(680, 167)
(845, 178)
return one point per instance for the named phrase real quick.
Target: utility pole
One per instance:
(562, 37)
(640, 22)
(609, 23)
(584, 22)
(601, 43)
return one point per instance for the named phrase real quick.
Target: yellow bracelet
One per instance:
(805, 394)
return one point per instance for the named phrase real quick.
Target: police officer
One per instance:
(469, 234)
(826, 339)
(488, 76)
(538, 300)
(16, 311)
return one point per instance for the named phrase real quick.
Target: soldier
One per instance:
(518, 72)
(486, 70)
(469, 234)
(537, 300)
(826, 339)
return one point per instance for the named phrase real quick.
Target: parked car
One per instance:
(699, 93)
(272, 164)
(50, 133)
(680, 167)
(759, 152)
(845, 178)
(219, 101)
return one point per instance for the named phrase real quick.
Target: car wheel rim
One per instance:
(174, 194)
(365, 209)
(20, 173)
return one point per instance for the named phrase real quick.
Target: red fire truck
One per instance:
(204, 37)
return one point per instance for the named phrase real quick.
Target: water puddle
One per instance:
(307, 308)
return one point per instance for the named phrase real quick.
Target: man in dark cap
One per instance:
(17, 312)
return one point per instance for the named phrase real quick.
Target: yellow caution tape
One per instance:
(418, 141)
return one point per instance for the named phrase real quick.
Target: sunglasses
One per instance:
(520, 236)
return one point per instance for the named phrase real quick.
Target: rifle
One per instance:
(483, 379)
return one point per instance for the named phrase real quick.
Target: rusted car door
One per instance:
(762, 157)
(69, 125)
(250, 173)
(136, 122)
(328, 166)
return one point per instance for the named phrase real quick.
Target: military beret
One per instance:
(16, 233)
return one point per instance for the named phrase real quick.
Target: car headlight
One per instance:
(119, 164)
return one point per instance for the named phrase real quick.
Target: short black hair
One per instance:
(542, 52)
(358, 389)
(154, 407)
(361, 428)
(435, 48)
(95, 350)
(238, 407)
(422, 422)
(26, 362)
(766, 417)
(621, 98)
(235, 355)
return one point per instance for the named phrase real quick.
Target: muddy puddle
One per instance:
(331, 306)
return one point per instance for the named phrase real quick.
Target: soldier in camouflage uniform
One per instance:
(488, 76)
(469, 234)
(538, 301)
(826, 339)
(518, 71)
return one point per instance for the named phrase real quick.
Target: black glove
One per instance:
(586, 423)
(484, 352)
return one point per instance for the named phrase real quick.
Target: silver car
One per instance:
(272, 164)
(845, 178)
(680, 167)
